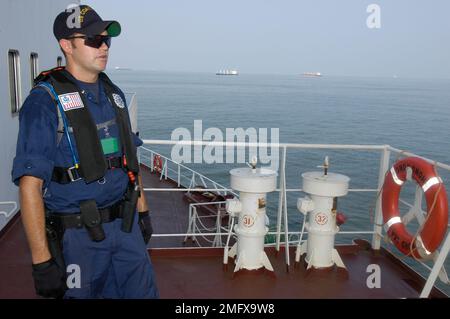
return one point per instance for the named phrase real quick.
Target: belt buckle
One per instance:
(114, 162)
(109, 163)
(71, 174)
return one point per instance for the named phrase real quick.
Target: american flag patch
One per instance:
(71, 101)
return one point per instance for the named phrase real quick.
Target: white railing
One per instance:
(184, 176)
(11, 211)
(282, 215)
(196, 226)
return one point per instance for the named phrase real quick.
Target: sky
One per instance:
(282, 36)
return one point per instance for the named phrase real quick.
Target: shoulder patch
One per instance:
(71, 101)
(118, 100)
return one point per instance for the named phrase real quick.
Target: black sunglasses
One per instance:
(94, 41)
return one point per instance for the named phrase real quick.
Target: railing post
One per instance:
(280, 199)
(436, 268)
(203, 181)
(179, 175)
(217, 190)
(139, 155)
(166, 169)
(189, 230)
(192, 183)
(378, 218)
(152, 157)
(218, 238)
(286, 226)
(194, 222)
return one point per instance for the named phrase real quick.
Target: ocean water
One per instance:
(409, 114)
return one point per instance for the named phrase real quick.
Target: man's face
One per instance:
(89, 58)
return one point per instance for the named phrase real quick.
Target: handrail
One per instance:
(406, 153)
(11, 212)
(294, 145)
(203, 177)
(359, 190)
(275, 145)
(341, 233)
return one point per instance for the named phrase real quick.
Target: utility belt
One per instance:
(92, 218)
(67, 221)
(66, 175)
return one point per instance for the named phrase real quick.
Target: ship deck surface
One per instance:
(195, 272)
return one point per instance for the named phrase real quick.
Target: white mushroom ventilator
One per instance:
(253, 184)
(323, 189)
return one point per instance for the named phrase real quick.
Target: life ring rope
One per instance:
(417, 237)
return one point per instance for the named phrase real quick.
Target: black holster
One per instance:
(129, 207)
(54, 235)
(92, 220)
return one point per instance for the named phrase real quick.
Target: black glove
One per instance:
(49, 279)
(145, 223)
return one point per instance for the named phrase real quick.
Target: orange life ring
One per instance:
(157, 163)
(435, 226)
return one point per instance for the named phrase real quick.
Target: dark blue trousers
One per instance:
(117, 267)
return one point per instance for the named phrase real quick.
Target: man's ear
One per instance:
(66, 46)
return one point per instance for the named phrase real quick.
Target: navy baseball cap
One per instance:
(83, 19)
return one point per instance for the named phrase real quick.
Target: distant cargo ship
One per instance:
(227, 72)
(121, 68)
(312, 74)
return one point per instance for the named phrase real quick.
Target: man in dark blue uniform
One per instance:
(77, 171)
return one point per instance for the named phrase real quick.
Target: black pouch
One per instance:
(92, 220)
(129, 208)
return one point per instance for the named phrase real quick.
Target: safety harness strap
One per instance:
(66, 175)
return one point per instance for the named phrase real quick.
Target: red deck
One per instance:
(198, 273)
(191, 272)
